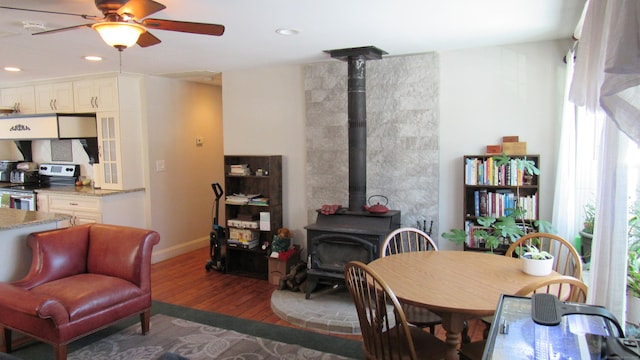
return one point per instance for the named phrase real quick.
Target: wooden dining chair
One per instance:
(404, 240)
(566, 288)
(566, 260)
(386, 334)
(407, 239)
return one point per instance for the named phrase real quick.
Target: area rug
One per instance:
(193, 341)
(310, 340)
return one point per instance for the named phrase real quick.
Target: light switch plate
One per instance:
(160, 165)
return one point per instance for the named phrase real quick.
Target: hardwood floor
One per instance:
(184, 281)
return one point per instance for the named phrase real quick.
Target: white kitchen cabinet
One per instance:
(54, 97)
(82, 209)
(93, 95)
(22, 99)
(120, 139)
(108, 207)
(109, 150)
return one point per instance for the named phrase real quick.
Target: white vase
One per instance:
(633, 310)
(537, 267)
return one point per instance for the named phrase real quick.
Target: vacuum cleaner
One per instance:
(216, 235)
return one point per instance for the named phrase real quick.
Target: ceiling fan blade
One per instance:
(62, 29)
(140, 8)
(147, 39)
(185, 26)
(88, 17)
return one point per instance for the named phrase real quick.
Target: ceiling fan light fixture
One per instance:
(120, 35)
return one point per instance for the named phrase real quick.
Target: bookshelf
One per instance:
(253, 211)
(490, 190)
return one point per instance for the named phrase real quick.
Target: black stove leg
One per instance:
(312, 282)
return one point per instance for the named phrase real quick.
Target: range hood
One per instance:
(48, 126)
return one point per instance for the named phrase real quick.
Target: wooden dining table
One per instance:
(457, 285)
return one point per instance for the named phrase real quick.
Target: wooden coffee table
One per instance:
(457, 285)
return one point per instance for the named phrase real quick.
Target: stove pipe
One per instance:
(357, 113)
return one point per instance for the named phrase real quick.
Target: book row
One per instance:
(502, 203)
(485, 171)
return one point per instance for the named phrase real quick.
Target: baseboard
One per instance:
(179, 249)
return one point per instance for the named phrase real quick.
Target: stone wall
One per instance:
(402, 135)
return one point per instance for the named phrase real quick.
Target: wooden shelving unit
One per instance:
(489, 190)
(253, 220)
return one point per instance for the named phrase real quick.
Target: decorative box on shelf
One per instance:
(514, 148)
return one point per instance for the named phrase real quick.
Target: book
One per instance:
(259, 201)
(244, 245)
(240, 169)
(483, 207)
(240, 199)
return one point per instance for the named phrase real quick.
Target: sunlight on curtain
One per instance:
(564, 217)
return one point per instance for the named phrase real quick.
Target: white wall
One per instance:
(180, 198)
(264, 115)
(486, 93)
(491, 92)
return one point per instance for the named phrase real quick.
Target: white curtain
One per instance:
(607, 72)
(564, 210)
(608, 265)
(606, 79)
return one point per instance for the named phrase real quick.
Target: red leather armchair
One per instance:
(82, 279)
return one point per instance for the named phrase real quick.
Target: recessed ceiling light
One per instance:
(93, 58)
(287, 32)
(12, 68)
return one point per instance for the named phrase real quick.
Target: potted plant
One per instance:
(633, 267)
(586, 235)
(536, 262)
(503, 230)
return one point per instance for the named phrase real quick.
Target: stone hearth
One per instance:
(330, 310)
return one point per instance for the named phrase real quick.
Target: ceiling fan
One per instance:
(123, 24)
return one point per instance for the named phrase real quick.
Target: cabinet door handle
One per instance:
(93, 104)
(55, 104)
(97, 102)
(51, 104)
(73, 204)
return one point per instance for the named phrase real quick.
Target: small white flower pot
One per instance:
(537, 267)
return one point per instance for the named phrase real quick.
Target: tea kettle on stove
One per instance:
(377, 208)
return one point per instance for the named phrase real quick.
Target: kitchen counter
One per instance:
(13, 218)
(15, 226)
(83, 190)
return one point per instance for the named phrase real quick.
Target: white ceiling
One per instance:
(398, 27)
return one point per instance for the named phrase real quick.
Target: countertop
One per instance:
(83, 190)
(13, 218)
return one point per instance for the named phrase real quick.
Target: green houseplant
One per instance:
(508, 227)
(586, 235)
(633, 266)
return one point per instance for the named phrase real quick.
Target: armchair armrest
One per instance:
(56, 254)
(26, 302)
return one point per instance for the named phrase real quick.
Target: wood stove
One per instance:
(345, 236)
(350, 234)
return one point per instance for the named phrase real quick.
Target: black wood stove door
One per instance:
(331, 252)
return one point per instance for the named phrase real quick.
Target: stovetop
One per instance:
(22, 187)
